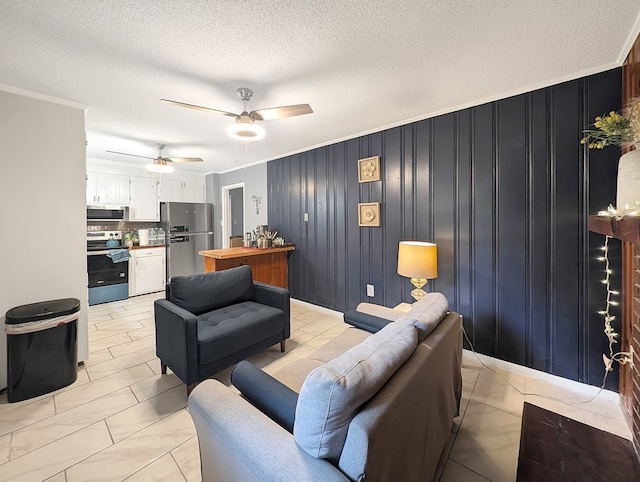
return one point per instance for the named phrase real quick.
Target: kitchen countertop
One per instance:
(148, 246)
(228, 253)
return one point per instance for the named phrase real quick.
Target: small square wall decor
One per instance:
(369, 169)
(369, 214)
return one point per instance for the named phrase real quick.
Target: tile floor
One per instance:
(121, 420)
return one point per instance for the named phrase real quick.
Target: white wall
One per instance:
(42, 203)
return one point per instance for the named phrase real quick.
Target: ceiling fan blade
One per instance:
(132, 155)
(281, 112)
(197, 107)
(183, 159)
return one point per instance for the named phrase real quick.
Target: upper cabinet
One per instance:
(103, 188)
(181, 191)
(144, 204)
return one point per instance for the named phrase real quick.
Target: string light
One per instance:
(612, 336)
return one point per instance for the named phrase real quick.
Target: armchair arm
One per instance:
(365, 321)
(238, 442)
(270, 396)
(177, 339)
(278, 298)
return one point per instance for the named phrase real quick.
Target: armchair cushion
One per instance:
(333, 393)
(200, 293)
(426, 314)
(232, 328)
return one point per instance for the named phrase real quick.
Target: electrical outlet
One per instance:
(306, 217)
(371, 292)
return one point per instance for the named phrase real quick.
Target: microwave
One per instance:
(104, 213)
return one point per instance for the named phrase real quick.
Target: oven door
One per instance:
(104, 272)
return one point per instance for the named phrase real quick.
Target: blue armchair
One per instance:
(211, 321)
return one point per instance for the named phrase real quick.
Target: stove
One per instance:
(97, 240)
(108, 280)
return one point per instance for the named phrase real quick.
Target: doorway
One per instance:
(232, 212)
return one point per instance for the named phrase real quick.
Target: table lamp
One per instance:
(418, 260)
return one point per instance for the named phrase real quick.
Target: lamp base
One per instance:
(418, 293)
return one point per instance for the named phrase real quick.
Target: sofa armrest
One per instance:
(238, 442)
(177, 339)
(278, 298)
(365, 321)
(270, 396)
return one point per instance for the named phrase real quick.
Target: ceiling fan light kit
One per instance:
(159, 166)
(244, 131)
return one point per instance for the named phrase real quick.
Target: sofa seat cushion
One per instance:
(333, 393)
(426, 314)
(232, 328)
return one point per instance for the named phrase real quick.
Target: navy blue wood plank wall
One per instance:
(504, 189)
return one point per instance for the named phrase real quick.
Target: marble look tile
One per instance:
(91, 328)
(51, 459)
(296, 324)
(133, 314)
(110, 367)
(322, 325)
(602, 406)
(133, 346)
(614, 425)
(470, 374)
(103, 308)
(499, 390)
(552, 391)
(97, 357)
(148, 321)
(59, 477)
(564, 409)
(164, 469)
(155, 385)
(142, 332)
(454, 472)
(108, 342)
(327, 336)
(23, 415)
(96, 389)
(488, 442)
(299, 353)
(5, 446)
(155, 366)
(467, 390)
(53, 428)
(299, 338)
(187, 456)
(118, 326)
(143, 414)
(135, 452)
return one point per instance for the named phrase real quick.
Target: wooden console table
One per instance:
(268, 265)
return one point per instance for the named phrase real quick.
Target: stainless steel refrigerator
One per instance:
(189, 228)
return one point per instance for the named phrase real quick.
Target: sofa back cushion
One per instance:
(199, 293)
(333, 393)
(426, 314)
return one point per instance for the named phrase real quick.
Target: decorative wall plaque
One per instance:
(369, 214)
(369, 169)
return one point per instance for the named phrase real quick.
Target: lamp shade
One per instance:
(418, 259)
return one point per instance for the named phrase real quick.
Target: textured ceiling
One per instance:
(363, 65)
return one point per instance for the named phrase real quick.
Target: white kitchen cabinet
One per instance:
(172, 190)
(104, 188)
(144, 205)
(147, 272)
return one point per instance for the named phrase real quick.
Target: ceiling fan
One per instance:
(161, 164)
(245, 129)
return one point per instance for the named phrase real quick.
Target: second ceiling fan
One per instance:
(245, 128)
(160, 164)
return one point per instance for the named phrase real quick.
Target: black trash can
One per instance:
(42, 353)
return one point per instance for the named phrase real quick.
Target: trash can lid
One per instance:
(42, 310)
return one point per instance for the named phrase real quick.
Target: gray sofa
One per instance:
(374, 407)
(211, 321)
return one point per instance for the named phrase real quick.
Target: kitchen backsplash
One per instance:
(124, 226)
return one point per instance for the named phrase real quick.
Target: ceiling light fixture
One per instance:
(159, 165)
(245, 130)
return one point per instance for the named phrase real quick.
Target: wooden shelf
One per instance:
(627, 229)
